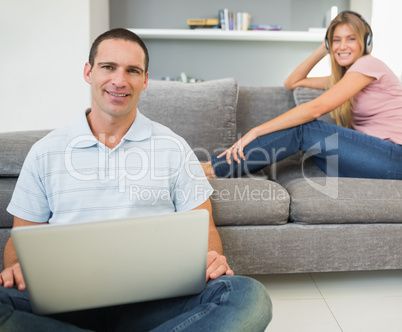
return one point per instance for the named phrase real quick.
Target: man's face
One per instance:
(117, 78)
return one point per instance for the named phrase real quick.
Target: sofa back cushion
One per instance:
(304, 95)
(14, 147)
(204, 114)
(257, 105)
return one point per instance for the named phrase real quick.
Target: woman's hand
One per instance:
(237, 149)
(323, 49)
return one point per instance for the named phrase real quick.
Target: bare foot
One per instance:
(208, 170)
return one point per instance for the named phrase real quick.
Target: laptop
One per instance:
(95, 264)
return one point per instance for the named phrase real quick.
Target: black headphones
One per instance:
(368, 37)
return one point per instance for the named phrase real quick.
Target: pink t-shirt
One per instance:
(377, 109)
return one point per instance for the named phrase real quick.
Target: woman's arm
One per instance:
(298, 78)
(345, 89)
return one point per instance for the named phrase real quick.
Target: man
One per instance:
(76, 173)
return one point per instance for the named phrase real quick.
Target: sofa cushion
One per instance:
(245, 202)
(353, 201)
(204, 114)
(317, 199)
(14, 146)
(304, 95)
(294, 167)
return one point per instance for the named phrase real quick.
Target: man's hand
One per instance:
(216, 262)
(12, 276)
(217, 265)
(12, 273)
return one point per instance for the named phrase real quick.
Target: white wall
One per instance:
(363, 7)
(385, 22)
(44, 45)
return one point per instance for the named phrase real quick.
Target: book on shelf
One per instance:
(229, 20)
(198, 23)
(239, 21)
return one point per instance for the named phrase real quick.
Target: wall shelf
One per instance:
(217, 34)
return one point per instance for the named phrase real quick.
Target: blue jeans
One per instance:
(229, 303)
(338, 151)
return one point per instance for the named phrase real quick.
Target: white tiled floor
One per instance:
(368, 301)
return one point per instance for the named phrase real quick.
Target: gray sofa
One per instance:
(289, 217)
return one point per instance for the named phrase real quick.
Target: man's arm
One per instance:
(12, 273)
(216, 261)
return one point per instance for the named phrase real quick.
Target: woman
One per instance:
(363, 95)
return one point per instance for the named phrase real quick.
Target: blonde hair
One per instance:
(343, 114)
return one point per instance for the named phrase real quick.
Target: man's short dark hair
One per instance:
(118, 33)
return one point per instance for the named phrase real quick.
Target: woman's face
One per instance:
(345, 46)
